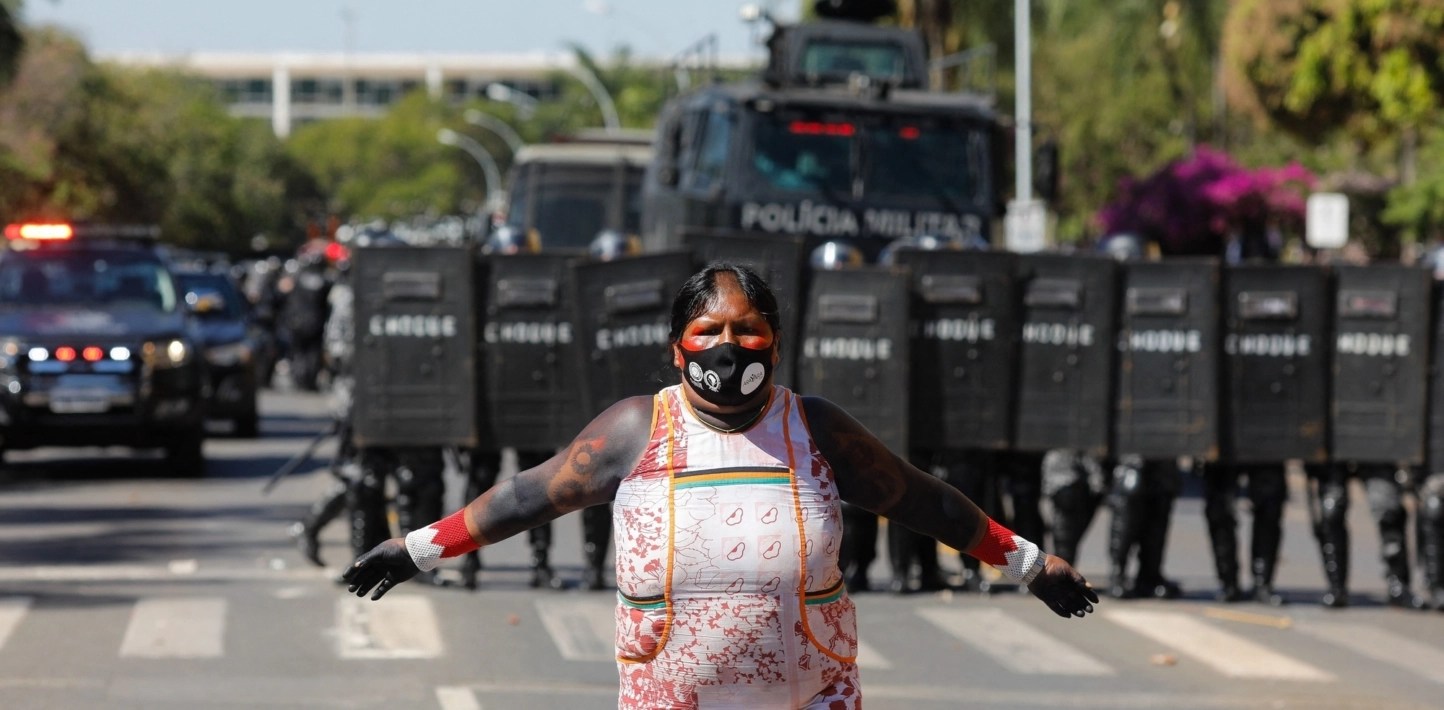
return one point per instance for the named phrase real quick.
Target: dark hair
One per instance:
(698, 292)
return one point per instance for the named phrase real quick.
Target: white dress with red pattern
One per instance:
(729, 592)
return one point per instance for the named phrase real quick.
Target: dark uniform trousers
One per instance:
(482, 471)
(419, 492)
(1329, 509)
(1267, 491)
(1431, 537)
(1074, 484)
(1141, 498)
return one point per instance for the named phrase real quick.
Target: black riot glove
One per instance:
(1065, 591)
(384, 567)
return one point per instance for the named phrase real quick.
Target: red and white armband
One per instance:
(1018, 559)
(444, 538)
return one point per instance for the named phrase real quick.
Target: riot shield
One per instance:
(855, 348)
(530, 351)
(624, 312)
(1276, 363)
(964, 329)
(1168, 362)
(1381, 354)
(1066, 357)
(1436, 383)
(415, 352)
(778, 259)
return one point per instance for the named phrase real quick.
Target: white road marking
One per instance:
(1227, 653)
(1380, 645)
(582, 629)
(456, 697)
(586, 630)
(1013, 644)
(155, 573)
(868, 657)
(176, 627)
(12, 610)
(398, 626)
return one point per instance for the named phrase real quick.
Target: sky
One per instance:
(651, 28)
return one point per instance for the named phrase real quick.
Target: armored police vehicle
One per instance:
(96, 345)
(840, 139)
(562, 195)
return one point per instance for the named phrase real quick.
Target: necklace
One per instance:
(731, 430)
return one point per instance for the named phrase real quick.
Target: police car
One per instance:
(97, 347)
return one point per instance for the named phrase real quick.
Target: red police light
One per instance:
(336, 251)
(909, 133)
(39, 231)
(92, 354)
(65, 353)
(820, 128)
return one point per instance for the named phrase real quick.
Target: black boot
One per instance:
(859, 547)
(900, 552)
(306, 532)
(1123, 528)
(596, 532)
(1219, 485)
(1396, 566)
(1431, 541)
(1332, 532)
(1151, 544)
(542, 576)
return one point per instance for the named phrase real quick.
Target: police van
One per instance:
(97, 347)
(841, 139)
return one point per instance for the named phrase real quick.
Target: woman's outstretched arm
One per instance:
(585, 473)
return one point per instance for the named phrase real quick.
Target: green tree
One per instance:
(11, 42)
(387, 168)
(81, 141)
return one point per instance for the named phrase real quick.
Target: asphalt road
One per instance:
(121, 587)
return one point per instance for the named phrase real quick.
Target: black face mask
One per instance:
(728, 374)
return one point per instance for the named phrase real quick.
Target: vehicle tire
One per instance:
(185, 456)
(247, 426)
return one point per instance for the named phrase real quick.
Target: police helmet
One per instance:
(505, 239)
(835, 256)
(920, 242)
(611, 244)
(1122, 247)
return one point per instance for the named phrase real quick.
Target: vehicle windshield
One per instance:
(85, 277)
(917, 160)
(219, 283)
(833, 58)
(568, 209)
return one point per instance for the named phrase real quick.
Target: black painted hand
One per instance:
(1065, 591)
(384, 567)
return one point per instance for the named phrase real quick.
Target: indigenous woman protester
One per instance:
(726, 493)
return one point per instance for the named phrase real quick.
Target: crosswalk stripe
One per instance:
(586, 630)
(398, 626)
(582, 629)
(1014, 644)
(454, 697)
(175, 627)
(1227, 653)
(12, 609)
(1381, 645)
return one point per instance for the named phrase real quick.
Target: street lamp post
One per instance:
(489, 170)
(599, 93)
(481, 119)
(525, 104)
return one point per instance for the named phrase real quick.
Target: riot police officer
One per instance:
(1267, 490)
(303, 317)
(1141, 496)
(860, 527)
